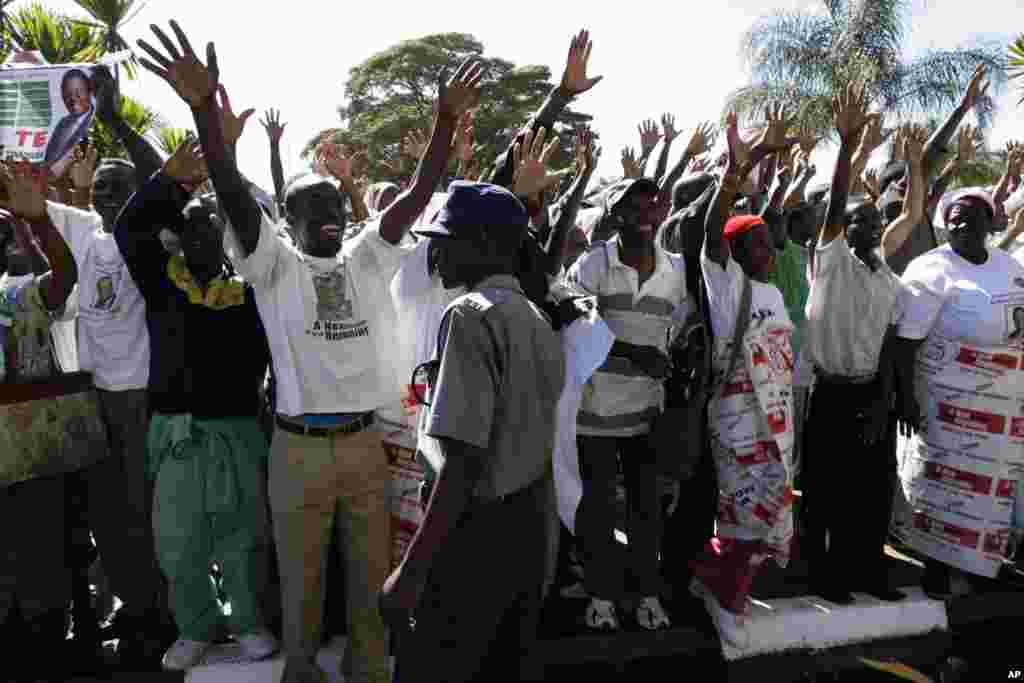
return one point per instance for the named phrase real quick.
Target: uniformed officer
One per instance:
(466, 597)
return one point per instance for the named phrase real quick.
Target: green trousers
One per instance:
(210, 504)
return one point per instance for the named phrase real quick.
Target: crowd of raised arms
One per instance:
(710, 338)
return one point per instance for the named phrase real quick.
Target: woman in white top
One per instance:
(750, 416)
(958, 351)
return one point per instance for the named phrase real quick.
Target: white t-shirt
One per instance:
(725, 289)
(323, 318)
(974, 304)
(849, 310)
(113, 340)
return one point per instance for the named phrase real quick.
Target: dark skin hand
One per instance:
(275, 129)
(850, 116)
(904, 355)
(143, 155)
(570, 202)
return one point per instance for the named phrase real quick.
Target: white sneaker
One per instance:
(600, 615)
(651, 615)
(732, 628)
(258, 645)
(184, 655)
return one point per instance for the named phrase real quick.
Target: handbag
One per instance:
(677, 433)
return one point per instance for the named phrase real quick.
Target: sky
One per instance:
(655, 57)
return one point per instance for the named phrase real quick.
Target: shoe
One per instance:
(258, 645)
(600, 615)
(184, 655)
(731, 627)
(651, 615)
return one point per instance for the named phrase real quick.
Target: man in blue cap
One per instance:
(466, 597)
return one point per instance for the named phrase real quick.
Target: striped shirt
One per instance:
(620, 399)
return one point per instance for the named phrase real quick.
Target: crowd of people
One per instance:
(210, 373)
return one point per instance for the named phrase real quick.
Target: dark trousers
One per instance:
(848, 488)
(120, 500)
(480, 609)
(692, 524)
(605, 570)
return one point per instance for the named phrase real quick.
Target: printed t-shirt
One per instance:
(323, 319)
(113, 341)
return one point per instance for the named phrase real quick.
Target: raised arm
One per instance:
(574, 82)
(1014, 160)
(342, 167)
(850, 114)
(454, 98)
(143, 155)
(913, 204)
(669, 134)
(569, 204)
(934, 149)
(649, 137)
(699, 143)
(197, 84)
(26, 199)
(275, 129)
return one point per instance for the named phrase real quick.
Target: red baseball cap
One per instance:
(737, 225)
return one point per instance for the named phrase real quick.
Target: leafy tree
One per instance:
(59, 39)
(9, 36)
(801, 58)
(169, 139)
(137, 115)
(393, 92)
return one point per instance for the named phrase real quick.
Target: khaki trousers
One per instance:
(318, 484)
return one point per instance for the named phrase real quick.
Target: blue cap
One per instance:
(473, 207)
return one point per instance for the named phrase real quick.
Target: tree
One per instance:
(59, 39)
(137, 115)
(1017, 62)
(168, 139)
(393, 92)
(110, 17)
(802, 58)
(9, 36)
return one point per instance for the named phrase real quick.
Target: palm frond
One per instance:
(1016, 62)
(58, 39)
(811, 109)
(110, 16)
(789, 46)
(169, 138)
(936, 81)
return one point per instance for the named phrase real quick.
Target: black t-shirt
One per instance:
(206, 362)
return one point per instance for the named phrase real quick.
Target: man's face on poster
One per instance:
(77, 95)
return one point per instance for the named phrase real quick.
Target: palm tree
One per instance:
(137, 115)
(169, 139)
(59, 39)
(802, 58)
(110, 17)
(1017, 62)
(9, 36)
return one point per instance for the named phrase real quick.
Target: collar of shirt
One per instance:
(661, 262)
(501, 282)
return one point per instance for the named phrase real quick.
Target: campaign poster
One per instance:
(45, 111)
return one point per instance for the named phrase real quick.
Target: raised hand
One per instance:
(1014, 158)
(338, 161)
(977, 89)
(187, 166)
(649, 136)
(870, 178)
(194, 81)
(574, 78)
(231, 125)
(630, 165)
(414, 144)
(897, 144)
(587, 153)
(108, 99)
(697, 165)
(26, 190)
(529, 161)
(82, 167)
(914, 138)
(773, 136)
(850, 111)
(701, 140)
(272, 124)
(967, 141)
(872, 137)
(668, 127)
(739, 152)
(462, 92)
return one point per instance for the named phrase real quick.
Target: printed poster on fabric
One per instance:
(960, 473)
(45, 112)
(751, 424)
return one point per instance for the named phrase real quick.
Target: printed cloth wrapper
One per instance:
(43, 435)
(751, 427)
(960, 473)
